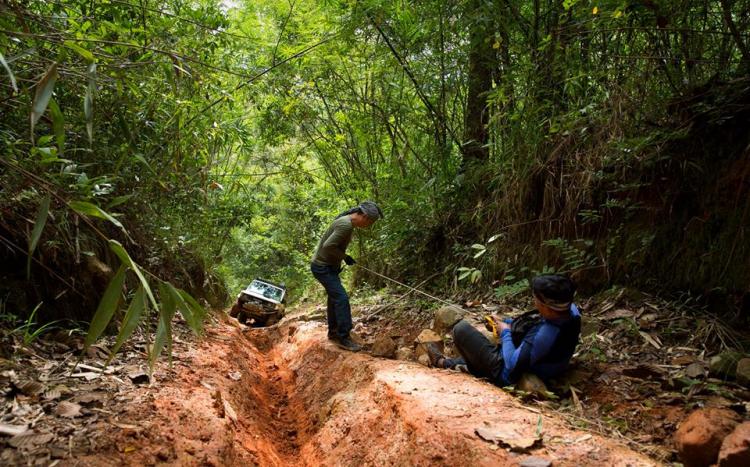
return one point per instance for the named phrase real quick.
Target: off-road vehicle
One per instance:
(262, 303)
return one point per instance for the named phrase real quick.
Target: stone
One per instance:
(404, 353)
(423, 360)
(589, 326)
(735, 450)
(699, 438)
(420, 343)
(743, 372)
(383, 347)
(446, 318)
(724, 364)
(532, 384)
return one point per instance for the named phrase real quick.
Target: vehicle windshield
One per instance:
(266, 290)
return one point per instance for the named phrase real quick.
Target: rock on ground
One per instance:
(532, 384)
(724, 364)
(735, 450)
(404, 353)
(699, 437)
(420, 343)
(743, 372)
(384, 347)
(446, 318)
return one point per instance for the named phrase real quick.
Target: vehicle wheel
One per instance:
(271, 320)
(235, 310)
(242, 318)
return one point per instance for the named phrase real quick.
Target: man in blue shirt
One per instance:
(540, 342)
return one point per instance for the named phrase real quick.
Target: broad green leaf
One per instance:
(480, 253)
(192, 321)
(464, 275)
(84, 207)
(119, 250)
(106, 309)
(58, 124)
(197, 309)
(135, 311)
(478, 246)
(10, 73)
(119, 200)
(41, 220)
(88, 102)
(164, 328)
(44, 89)
(81, 51)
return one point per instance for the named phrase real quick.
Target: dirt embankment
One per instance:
(286, 396)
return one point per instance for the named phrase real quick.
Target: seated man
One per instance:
(540, 342)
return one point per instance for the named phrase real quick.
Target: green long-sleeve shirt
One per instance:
(331, 249)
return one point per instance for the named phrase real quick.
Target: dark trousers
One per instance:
(481, 357)
(339, 311)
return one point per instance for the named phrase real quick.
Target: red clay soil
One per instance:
(285, 396)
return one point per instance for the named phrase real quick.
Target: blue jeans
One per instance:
(339, 310)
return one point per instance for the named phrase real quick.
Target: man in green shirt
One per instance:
(326, 266)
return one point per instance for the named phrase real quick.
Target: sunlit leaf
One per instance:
(121, 253)
(88, 102)
(10, 72)
(192, 321)
(41, 220)
(58, 125)
(89, 209)
(80, 50)
(133, 315)
(596, 10)
(44, 89)
(119, 200)
(106, 309)
(164, 328)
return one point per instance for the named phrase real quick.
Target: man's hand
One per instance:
(349, 260)
(501, 325)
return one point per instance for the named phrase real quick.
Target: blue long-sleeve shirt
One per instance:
(546, 349)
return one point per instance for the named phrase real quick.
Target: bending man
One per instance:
(326, 266)
(540, 341)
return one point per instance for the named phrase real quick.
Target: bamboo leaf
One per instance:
(185, 310)
(89, 209)
(137, 307)
(119, 200)
(58, 125)
(88, 102)
(41, 220)
(119, 250)
(197, 309)
(80, 50)
(10, 73)
(44, 89)
(164, 328)
(106, 309)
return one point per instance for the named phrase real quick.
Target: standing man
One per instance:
(326, 266)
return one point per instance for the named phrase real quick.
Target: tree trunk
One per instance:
(476, 135)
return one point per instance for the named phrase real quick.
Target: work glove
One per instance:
(349, 260)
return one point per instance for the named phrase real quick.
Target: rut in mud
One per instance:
(286, 396)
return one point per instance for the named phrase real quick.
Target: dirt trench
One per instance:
(286, 396)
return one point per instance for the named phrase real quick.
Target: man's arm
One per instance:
(519, 359)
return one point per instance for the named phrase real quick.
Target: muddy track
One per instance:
(286, 396)
(280, 417)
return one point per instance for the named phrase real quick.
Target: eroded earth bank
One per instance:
(286, 396)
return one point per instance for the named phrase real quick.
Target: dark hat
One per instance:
(554, 290)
